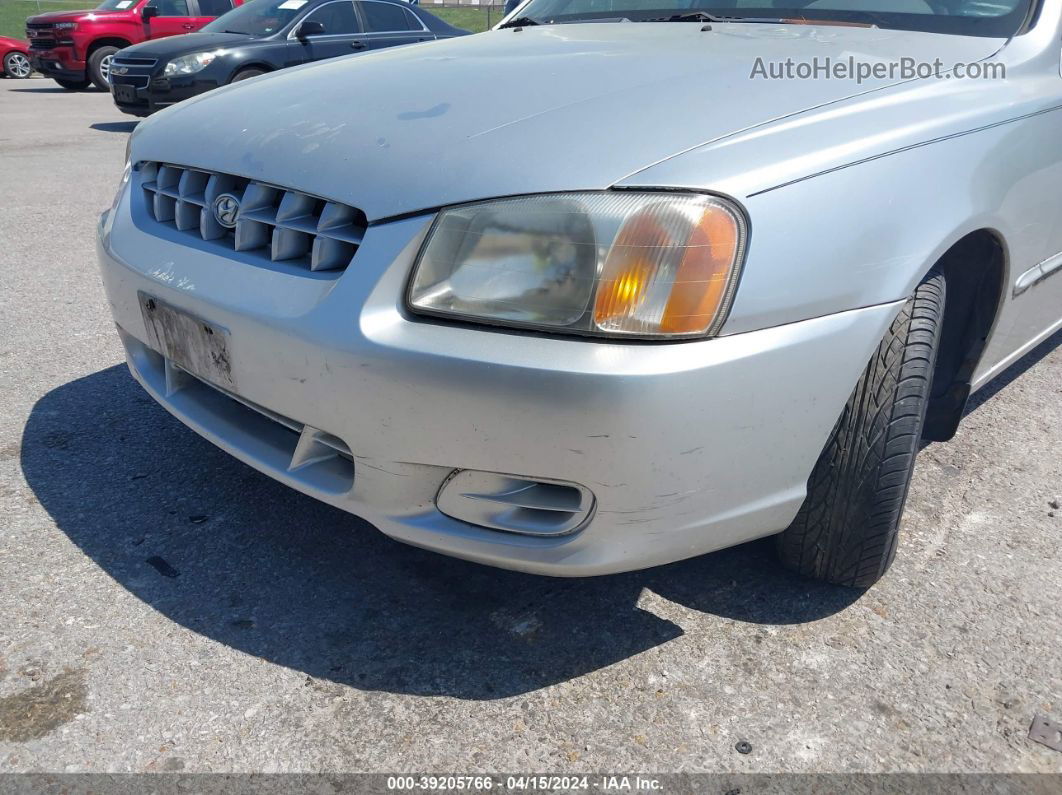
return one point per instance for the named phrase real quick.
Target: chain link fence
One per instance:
(13, 13)
(472, 15)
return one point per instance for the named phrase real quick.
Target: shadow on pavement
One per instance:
(114, 126)
(53, 90)
(217, 547)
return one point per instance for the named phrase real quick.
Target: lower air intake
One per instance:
(513, 504)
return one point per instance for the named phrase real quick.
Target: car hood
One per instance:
(550, 108)
(51, 17)
(173, 46)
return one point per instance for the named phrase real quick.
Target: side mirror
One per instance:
(149, 13)
(309, 28)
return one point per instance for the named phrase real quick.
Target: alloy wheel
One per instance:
(19, 65)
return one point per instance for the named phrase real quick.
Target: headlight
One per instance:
(618, 264)
(121, 185)
(189, 64)
(126, 173)
(65, 25)
(109, 221)
(129, 142)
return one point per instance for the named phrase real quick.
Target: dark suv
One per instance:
(263, 36)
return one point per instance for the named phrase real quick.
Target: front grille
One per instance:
(137, 81)
(125, 60)
(276, 223)
(41, 35)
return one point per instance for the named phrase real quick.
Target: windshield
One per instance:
(998, 18)
(257, 18)
(116, 5)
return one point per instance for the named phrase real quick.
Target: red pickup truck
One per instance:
(75, 47)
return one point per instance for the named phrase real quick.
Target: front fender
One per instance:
(867, 233)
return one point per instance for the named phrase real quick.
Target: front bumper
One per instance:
(150, 93)
(687, 447)
(58, 63)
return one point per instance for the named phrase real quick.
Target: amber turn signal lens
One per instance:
(668, 269)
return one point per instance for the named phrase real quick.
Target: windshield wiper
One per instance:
(700, 16)
(696, 16)
(237, 32)
(520, 22)
(595, 20)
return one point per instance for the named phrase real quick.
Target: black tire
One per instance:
(847, 529)
(246, 74)
(17, 66)
(98, 63)
(72, 85)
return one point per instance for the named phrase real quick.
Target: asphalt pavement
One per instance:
(164, 607)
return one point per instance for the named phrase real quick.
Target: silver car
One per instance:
(614, 284)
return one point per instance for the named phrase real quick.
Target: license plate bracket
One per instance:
(124, 93)
(192, 343)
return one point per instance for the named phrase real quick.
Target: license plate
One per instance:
(125, 93)
(193, 344)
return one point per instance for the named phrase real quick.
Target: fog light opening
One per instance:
(516, 504)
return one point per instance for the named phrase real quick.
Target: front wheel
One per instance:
(17, 65)
(99, 67)
(847, 529)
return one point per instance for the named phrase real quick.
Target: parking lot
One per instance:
(164, 607)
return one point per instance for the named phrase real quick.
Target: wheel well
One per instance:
(119, 43)
(245, 66)
(974, 269)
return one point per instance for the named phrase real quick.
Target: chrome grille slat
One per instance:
(279, 224)
(165, 207)
(192, 186)
(302, 223)
(266, 215)
(251, 235)
(186, 216)
(137, 81)
(297, 207)
(209, 228)
(120, 60)
(329, 253)
(168, 177)
(288, 244)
